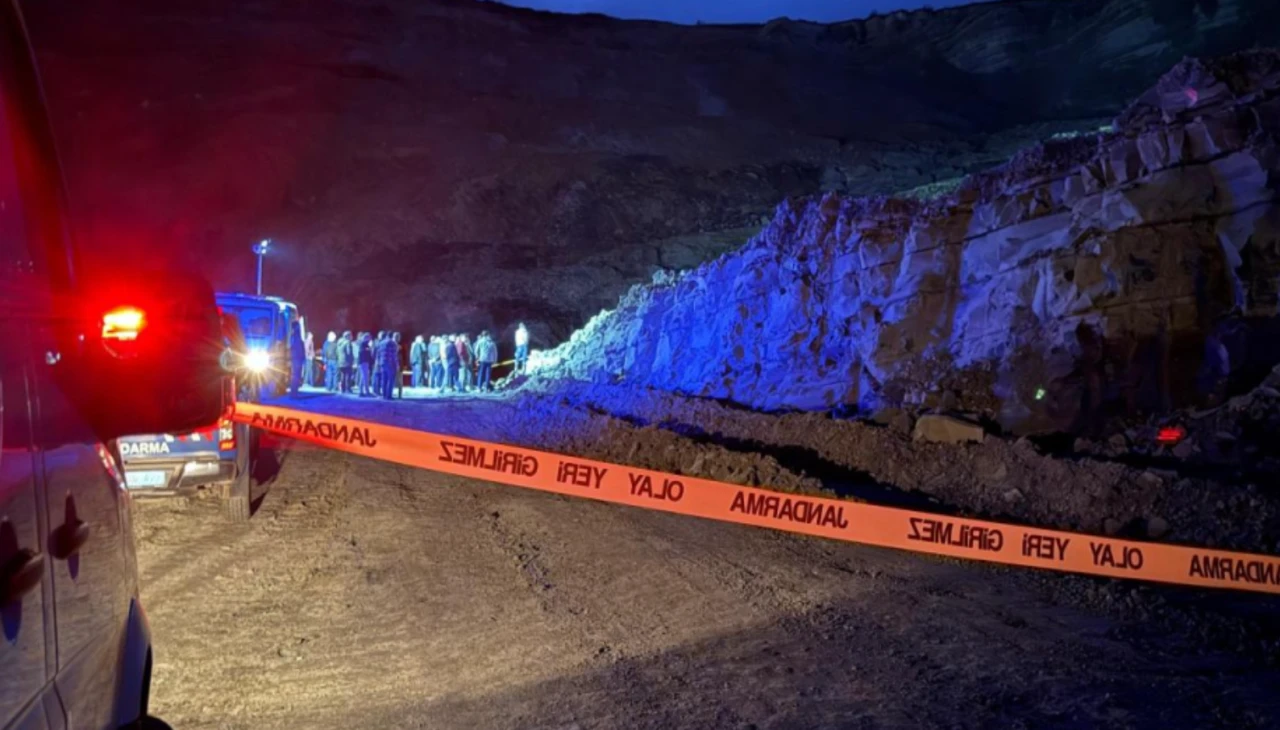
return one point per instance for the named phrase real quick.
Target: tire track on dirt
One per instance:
(365, 594)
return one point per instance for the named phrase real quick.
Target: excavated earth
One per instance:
(451, 165)
(371, 595)
(1108, 275)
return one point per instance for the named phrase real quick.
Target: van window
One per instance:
(257, 323)
(36, 238)
(13, 231)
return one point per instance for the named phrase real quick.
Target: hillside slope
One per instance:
(442, 164)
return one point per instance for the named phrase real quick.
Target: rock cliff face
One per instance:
(1137, 267)
(438, 165)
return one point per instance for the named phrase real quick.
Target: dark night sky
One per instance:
(733, 11)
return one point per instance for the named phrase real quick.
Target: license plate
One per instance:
(137, 479)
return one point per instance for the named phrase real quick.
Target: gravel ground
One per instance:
(364, 594)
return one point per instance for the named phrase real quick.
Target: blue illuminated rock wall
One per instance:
(1146, 236)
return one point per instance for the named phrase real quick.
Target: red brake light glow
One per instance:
(1171, 434)
(123, 324)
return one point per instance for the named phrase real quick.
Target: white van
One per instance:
(85, 357)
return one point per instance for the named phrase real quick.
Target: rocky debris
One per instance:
(1151, 478)
(403, 151)
(997, 478)
(946, 430)
(552, 423)
(1238, 435)
(1071, 275)
(897, 419)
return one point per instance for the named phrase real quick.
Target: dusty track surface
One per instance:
(363, 594)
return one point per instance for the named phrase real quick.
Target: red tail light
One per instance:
(1171, 434)
(226, 435)
(123, 324)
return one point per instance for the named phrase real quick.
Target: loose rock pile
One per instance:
(948, 464)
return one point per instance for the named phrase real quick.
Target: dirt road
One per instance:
(368, 595)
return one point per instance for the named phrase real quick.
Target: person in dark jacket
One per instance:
(418, 359)
(364, 360)
(297, 358)
(435, 357)
(346, 362)
(486, 356)
(451, 361)
(389, 357)
(466, 357)
(397, 373)
(330, 354)
(377, 361)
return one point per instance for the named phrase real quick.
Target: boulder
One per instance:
(1157, 527)
(898, 420)
(947, 430)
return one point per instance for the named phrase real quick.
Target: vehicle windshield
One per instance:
(257, 322)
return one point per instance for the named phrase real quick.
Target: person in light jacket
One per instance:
(346, 362)
(330, 354)
(417, 359)
(309, 369)
(486, 356)
(522, 348)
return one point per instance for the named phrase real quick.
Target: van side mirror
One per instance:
(144, 354)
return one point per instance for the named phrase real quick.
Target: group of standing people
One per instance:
(365, 364)
(453, 362)
(371, 365)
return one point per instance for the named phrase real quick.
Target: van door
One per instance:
(89, 570)
(94, 576)
(26, 654)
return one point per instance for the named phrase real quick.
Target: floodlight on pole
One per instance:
(260, 249)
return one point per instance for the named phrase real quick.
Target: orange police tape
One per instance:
(920, 532)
